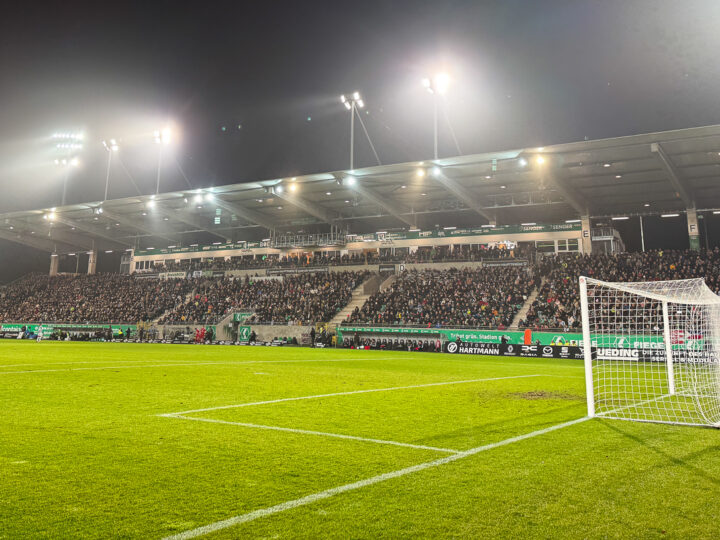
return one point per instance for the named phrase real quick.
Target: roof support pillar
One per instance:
(586, 234)
(54, 264)
(693, 230)
(92, 261)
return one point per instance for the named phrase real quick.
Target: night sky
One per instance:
(524, 73)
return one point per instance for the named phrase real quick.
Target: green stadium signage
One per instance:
(51, 327)
(468, 336)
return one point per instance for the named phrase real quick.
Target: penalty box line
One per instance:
(183, 415)
(319, 433)
(348, 393)
(309, 499)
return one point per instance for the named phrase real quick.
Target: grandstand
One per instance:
(493, 242)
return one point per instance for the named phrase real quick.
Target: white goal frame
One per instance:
(652, 351)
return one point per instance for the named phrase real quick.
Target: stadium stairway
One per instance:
(520, 315)
(388, 282)
(360, 295)
(188, 296)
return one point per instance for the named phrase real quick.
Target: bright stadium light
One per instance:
(162, 137)
(198, 198)
(67, 145)
(293, 187)
(437, 86)
(352, 103)
(350, 180)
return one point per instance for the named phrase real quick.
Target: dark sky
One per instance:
(523, 73)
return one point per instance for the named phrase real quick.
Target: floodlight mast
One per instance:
(111, 146)
(162, 138)
(67, 144)
(352, 103)
(437, 86)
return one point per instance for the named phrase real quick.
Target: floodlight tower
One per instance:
(67, 146)
(352, 103)
(437, 86)
(111, 146)
(162, 138)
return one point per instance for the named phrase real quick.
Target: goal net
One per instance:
(652, 351)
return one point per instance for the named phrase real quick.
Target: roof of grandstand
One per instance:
(670, 171)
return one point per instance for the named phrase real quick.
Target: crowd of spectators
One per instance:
(293, 299)
(106, 298)
(443, 254)
(487, 297)
(557, 305)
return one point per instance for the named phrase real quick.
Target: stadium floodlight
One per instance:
(522, 162)
(420, 172)
(351, 180)
(198, 198)
(437, 86)
(651, 351)
(162, 137)
(352, 103)
(111, 146)
(293, 187)
(67, 145)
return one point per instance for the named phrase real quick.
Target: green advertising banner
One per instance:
(51, 327)
(469, 336)
(242, 315)
(243, 333)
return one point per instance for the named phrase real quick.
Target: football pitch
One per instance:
(168, 441)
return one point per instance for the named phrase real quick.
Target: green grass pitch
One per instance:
(85, 451)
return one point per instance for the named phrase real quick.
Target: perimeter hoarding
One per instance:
(470, 336)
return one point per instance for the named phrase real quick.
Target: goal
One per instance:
(652, 351)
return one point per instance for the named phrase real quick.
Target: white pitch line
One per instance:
(320, 433)
(309, 499)
(348, 393)
(240, 363)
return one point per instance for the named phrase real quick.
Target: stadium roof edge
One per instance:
(615, 175)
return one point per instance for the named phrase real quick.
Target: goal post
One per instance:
(652, 350)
